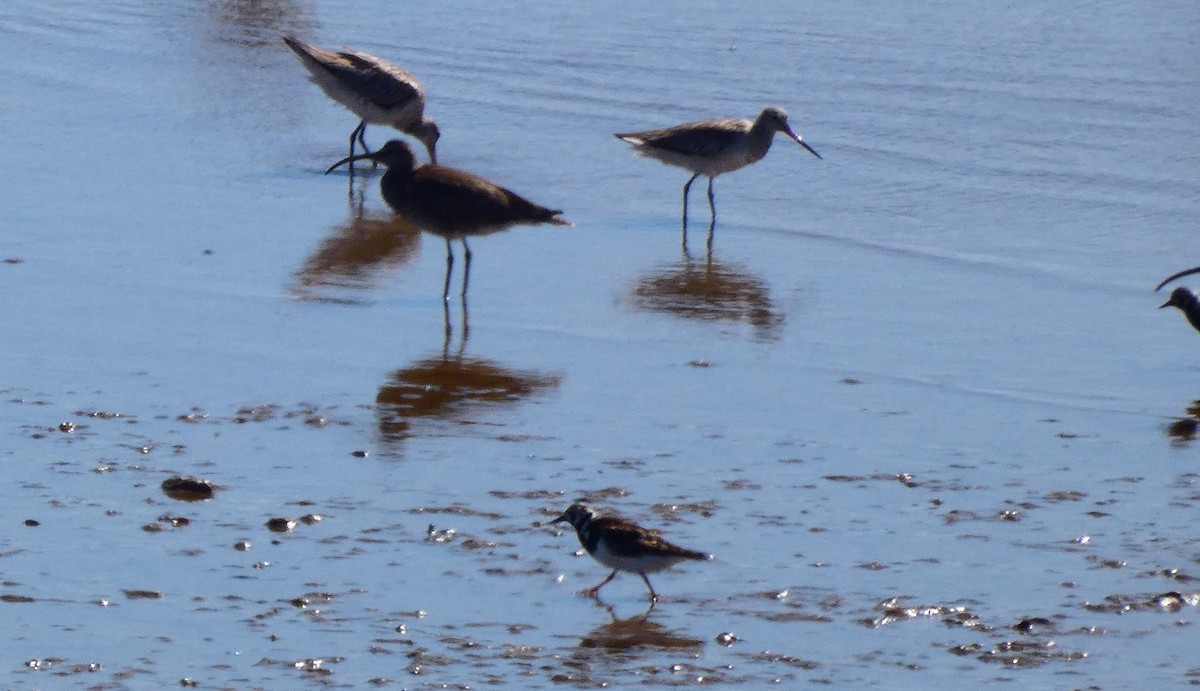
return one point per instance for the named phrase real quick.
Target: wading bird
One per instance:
(450, 203)
(624, 546)
(373, 89)
(1183, 298)
(713, 147)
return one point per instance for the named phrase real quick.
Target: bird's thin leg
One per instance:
(591, 592)
(712, 224)
(466, 275)
(466, 327)
(712, 207)
(362, 125)
(449, 266)
(686, 187)
(466, 269)
(362, 130)
(653, 595)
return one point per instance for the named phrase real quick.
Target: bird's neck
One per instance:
(1192, 312)
(588, 536)
(759, 140)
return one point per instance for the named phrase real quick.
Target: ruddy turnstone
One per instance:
(624, 546)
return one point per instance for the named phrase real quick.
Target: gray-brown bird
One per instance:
(713, 147)
(373, 89)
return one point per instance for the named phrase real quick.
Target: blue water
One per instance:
(927, 367)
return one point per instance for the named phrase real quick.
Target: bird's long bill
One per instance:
(560, 519)
(800, 140)
(1181, 274)
(1165, 304)
(348, 159)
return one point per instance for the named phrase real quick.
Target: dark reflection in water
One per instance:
(638, 632)
(356, 251)
(256, 23)
(1183, 429)
(710, 290)
(451, 387)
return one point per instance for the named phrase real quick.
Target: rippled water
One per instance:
(918, 401)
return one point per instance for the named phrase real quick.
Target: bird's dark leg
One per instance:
(449, 266)
(712, 224)
(466, 326)
(591, 592)
(466, 277)
(362, 125)
(686, 187)
(362, 130)
(712, 206)
(653, 595)
(466, 268)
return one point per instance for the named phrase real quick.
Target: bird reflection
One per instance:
(451, 387)
(356, 251)
(710, 290)
(637, 632)
(1183, 429)
(258, 23)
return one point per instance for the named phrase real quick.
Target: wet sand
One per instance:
(918, 401)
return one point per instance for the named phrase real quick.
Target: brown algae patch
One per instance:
(188, 489)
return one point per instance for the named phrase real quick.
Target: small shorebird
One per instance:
(1188, 302)
(373, 89)
(1183, 298)
(713, 147)
(450, 203)
(624, 546)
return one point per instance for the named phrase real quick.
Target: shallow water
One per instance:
(918, 402)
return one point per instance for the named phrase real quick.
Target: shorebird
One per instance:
(373, 89)
(450, 203)
(1188, 302)
(624, 546)
(1185, 299)
(713, 147)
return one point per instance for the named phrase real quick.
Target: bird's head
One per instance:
(576, 514)
(776, 118)
(1180, 297)
(427, 132)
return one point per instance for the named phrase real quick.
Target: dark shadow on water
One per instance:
(637, 633)
(1182, 430)
(707, 289)
(356, 252)
(259, 23)
(452, 387)
(624, 649)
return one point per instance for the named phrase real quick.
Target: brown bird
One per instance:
(450, 203)
(373, 89)
(624, 546)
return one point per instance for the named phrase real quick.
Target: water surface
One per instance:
(918, 401)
